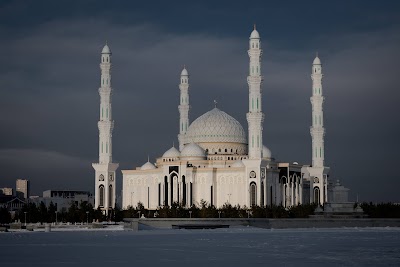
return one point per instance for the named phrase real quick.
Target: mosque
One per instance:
(216, 160)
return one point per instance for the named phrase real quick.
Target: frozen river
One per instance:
(221, 247)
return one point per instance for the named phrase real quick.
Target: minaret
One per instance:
(255, 117)
(317, 173)
(183, 107)
(317, 129)
(105, 170)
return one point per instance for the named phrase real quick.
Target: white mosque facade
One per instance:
(216, 160)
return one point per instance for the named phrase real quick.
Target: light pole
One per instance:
(190, 214)
(139, 214)
(56, 217)
(87, 217)
(25, 217)
(219, 214)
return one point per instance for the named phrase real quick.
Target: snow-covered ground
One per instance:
(221, 247)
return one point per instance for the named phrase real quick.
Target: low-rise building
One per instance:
(6, 191)
(63, 199)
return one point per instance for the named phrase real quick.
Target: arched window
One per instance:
(184, 190)
(110, 196)
(316, 195)
(165, 190)
(107, 59)
(253, 194)
(262, 194)
(101, 195)
(107, 112)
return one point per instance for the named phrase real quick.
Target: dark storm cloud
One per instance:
(50, 76)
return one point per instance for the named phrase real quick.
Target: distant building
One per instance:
(22, 188)
(63, 199)
(6, 191)
(338, 204)
(11, 203)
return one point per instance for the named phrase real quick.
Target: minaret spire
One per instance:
(105, 169)
(183, 107)
(255, 116)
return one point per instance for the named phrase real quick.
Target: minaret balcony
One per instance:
(254, 80)
(317, 130)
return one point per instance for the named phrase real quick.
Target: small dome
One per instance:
(148, 166)
(184, 72)
(238, 164)
(254, 34)
(171, 153)
(316, 61)
(193, 150)
(266, 153)
(106, 50)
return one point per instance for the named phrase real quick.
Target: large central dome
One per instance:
(216, 128)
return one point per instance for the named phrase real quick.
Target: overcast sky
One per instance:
(49, 79)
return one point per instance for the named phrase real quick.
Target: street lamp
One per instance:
(139, 213)
(190, 214)
(87, 217)
(25, 217)
(219, 214)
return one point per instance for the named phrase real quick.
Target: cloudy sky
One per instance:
(49, 77)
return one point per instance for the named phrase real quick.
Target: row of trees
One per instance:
(32, 213)
(205, 210)
(381, 210)
(84, 212)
